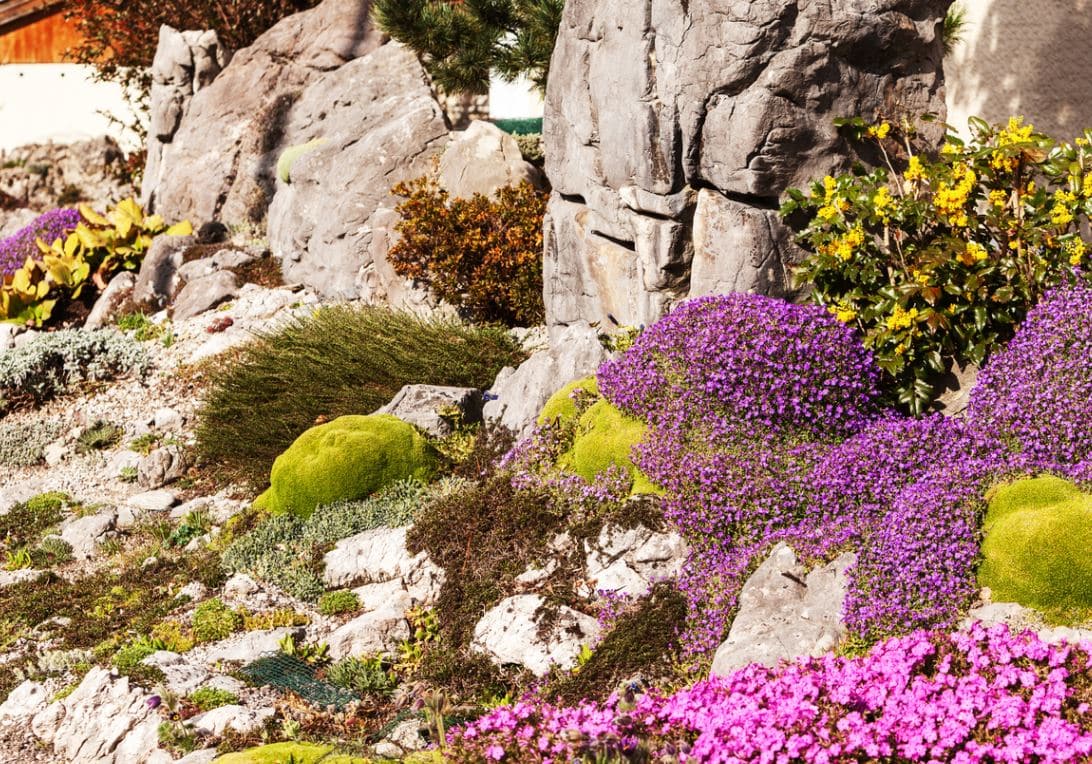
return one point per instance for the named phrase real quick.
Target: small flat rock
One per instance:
(167, 420)
(84, 534)
(152, 501)
(204, 294)
(24, 702)
(238, 718)
(510, 633)
(422, 406)
(12, 577)
(378, 631)
(248, 646)
(375, 555)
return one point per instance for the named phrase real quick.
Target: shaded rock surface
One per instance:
(672, 130)
(220, 161)
(785, 612)
(42, 175)
(374, 122)
(428, 407)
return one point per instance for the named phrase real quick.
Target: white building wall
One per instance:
(59, 103)
(1024, 57)
(514, 100)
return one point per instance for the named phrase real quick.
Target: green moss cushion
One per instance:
(605, 438)
(281, 753)
(348, 458)
(560, 407)
(1037, 548)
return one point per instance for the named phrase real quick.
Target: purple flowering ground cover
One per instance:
(984, 695)
(53, 225)
(767, 424)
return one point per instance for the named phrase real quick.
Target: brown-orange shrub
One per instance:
(482, 255)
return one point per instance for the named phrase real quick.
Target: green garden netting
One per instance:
(286, 672)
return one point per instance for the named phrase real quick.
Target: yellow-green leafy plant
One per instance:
(98, 247)
(935, 259)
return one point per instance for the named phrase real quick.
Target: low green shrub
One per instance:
(53, 550)
(351, 457)
(1035, 550)
(286, 551)
(339, 602)
(24, 523)
(23, 443)
(208, 698)
(340, 360)
(213, 621)
(482, 255)
(604, 438)
(52, 363)
(296, 753)
(364, 676)
(99, 436)
(129, 657)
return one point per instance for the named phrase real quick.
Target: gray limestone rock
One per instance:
(332, 225)
(184, 63)
(482, 159)
(84, 534)
(628, 561)
(510, 633)
(157, 281)
(105, 720)
(423, 406)
(110, 301)
(518, 395)
(40, 174)
(220, 162)
(785, 612)
(160, 467)
(203, 294)
(734, 98)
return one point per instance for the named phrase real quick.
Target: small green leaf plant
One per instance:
(936, 259)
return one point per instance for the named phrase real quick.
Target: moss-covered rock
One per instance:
(298, 753)
(561, 408)
(348, 458)
(605, 438)
(1038, 533)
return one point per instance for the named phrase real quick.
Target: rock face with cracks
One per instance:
(674, 127)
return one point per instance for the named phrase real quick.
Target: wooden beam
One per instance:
(15, 13)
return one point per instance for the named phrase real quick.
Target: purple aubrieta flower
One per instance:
(53, 225)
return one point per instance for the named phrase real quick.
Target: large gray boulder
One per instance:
(482, 159)
(361, 129)
(184, 63)
(41, 175)
(672, 131)
(221, 159)
(785, 612)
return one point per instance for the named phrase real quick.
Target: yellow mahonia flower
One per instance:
(1015, 132)
(829, 186)
(951, 198)
(973, 253)
(1086, 186)
(999, 198)
(918, 276)
(901, 319)
(879, 131)
(1065, 197)
(900, 349)
(845, 246)
(1076, 249)
(827, 213)
(843, 312)
(882, 202)
(1060, 215)
(914, 170)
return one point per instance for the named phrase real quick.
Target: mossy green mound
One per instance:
(281, 753)
(561, 408)
(1036, 550)
(349, 458)
(605, 438)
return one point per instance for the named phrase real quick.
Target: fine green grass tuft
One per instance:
(340, 360)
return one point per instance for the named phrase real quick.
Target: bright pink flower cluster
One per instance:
(985, 695)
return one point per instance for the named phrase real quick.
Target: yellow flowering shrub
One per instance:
(936, 256)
